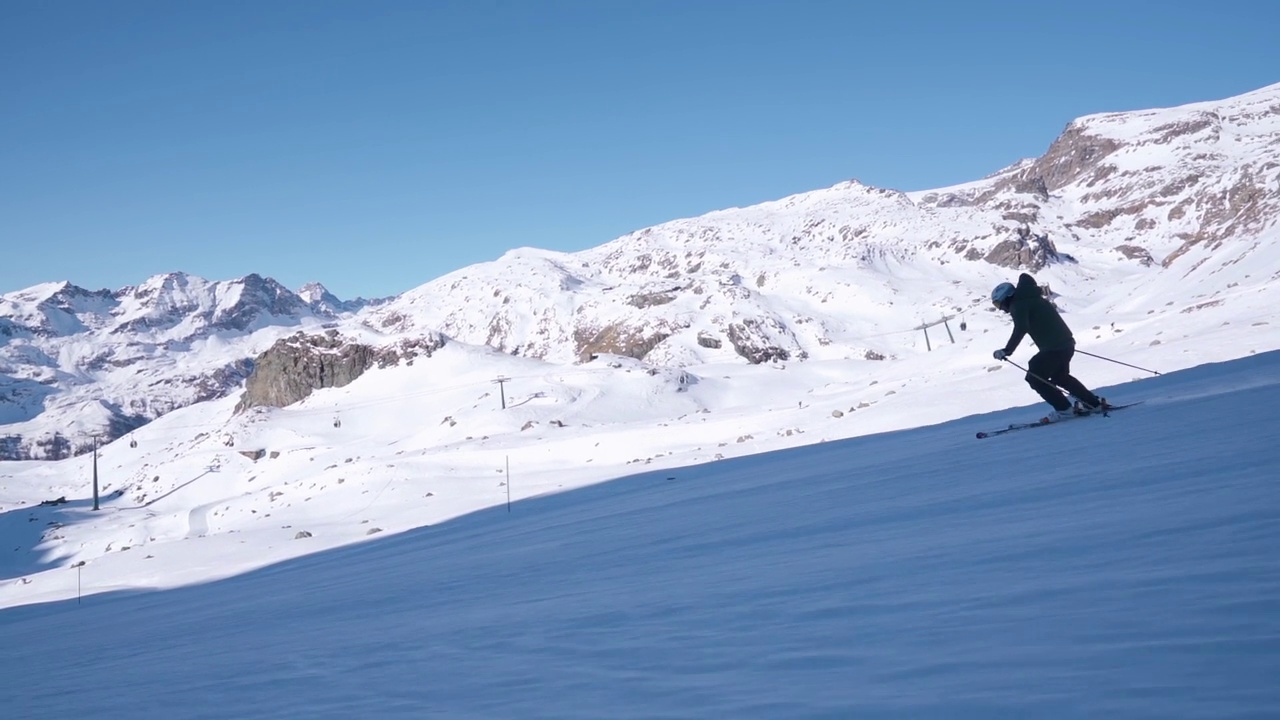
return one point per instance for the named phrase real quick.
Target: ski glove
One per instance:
(1000, 354)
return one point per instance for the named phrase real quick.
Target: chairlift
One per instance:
(133, 443)
(337, 422)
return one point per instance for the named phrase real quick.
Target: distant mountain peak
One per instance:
(315, 292)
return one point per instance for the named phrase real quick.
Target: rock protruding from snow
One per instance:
(296, 366)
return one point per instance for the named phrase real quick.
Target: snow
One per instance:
(1107, 567)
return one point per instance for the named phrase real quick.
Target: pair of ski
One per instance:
(1044, 423)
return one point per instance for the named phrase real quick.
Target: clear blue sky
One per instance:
(375, 146)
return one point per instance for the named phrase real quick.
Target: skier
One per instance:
(1035, 316)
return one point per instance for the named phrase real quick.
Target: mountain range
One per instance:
(1141, 220)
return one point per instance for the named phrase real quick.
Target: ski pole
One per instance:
(1135, 367)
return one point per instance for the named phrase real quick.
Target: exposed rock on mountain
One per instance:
(295, 366)
(757, 340)
(1025, 251)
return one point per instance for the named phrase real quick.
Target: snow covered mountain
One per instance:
(1163, 205)
(74, 362)
(1136, 221)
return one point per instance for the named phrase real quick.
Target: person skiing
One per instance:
(1034, 315)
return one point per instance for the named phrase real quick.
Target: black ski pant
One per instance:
(1055, 366)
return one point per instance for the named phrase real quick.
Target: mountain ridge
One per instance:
(1144, 214)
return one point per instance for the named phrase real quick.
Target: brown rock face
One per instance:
(1071, 157)
(1025, 250)
(618, 339)
(297, 365)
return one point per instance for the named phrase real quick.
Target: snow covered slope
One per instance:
(1107, 567)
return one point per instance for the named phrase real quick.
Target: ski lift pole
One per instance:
(1135, 367)
(501, 391)
(95, 472)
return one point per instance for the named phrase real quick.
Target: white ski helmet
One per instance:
(1001, 296)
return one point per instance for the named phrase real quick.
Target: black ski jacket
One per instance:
(1034, 315)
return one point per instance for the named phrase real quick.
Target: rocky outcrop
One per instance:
(618, 339)
(752, 338)
(652, 299)
(710, 342)
(1136, 252)
(294, 367)
(1246, 208)
(1072, 157)
(297, 365)
(1025, 252)
(1033, 185)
